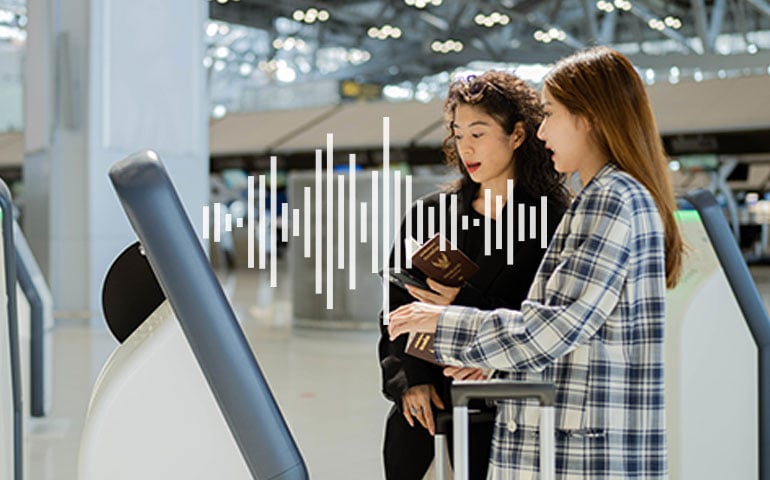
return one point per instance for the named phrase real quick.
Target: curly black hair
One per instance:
(508, 99)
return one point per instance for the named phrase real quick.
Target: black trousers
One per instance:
(408, 451)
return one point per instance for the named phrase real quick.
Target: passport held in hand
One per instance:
(449, 267)
(420, 345)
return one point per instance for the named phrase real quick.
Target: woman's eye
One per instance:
(476, 135)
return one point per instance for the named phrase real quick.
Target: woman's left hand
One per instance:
(413, 317)
(441, 294)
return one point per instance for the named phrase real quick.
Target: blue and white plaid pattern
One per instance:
(593, 325)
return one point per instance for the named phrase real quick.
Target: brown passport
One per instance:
(450, 267)
(420, 345)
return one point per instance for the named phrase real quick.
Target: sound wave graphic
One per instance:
(354, 216)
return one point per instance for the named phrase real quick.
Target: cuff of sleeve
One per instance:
(456, 328)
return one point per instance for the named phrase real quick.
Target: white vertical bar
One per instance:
(206, 222)
(217, 215)
(442, 221)
(460, 421)
(499, 222)
(547, 444)
(543, 222)
(295, 223)
(352, 220)
(250, 221)
(522, 214)
(397, 218)
(273, 221)
(487, 222)
(340, 222)
(465, 223)
(385, 217)
(431, 221)
(239, 222)
(509, 225)
(228, 222)
(285, 220)
(262, 224)
(453, 219)
(364, 226)
(408, 219)
(420, 222)
(375, 216)
(532, 221)
(306, 230)
(318, 215)
(329, 221)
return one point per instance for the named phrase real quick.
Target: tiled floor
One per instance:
(326, 382)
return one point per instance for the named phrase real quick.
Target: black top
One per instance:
(495, 285)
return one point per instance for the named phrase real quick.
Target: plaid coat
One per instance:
(593, 325)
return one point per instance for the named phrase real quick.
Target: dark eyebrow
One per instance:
(472, 124)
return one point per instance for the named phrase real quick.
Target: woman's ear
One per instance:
(518, 135)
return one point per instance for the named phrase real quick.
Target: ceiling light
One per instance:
(222, 52)
(246, 69)
(492, 19)
(212, 29)
(698, 75)
(219, 111)
(286, 74)
(752, 48)
(323, 15)
(298, 15)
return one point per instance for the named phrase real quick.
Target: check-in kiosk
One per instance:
(183, 395)
(10, 368)
(717, 356)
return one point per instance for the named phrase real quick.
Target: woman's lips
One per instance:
(472, 167)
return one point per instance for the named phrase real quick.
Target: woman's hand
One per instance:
(444, 295)
(465, 373)
(413, 317)
(415, 403)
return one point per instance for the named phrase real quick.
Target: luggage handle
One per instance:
(464, 391)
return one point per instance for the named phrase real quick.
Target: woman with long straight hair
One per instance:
(592, 322)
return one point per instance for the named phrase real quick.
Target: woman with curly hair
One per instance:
(492, 121)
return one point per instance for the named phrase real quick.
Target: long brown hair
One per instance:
(509, 100)
(602, 86)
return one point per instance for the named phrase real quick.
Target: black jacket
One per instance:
(495, 285)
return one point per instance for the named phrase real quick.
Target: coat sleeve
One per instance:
(581, 292)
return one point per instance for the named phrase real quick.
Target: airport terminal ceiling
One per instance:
(392, 42)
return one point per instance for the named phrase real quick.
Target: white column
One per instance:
(106, 78)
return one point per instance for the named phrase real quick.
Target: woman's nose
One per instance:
(541, 131)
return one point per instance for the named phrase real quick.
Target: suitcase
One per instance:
(464, 391)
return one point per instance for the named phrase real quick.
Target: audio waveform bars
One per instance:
(371, 223)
